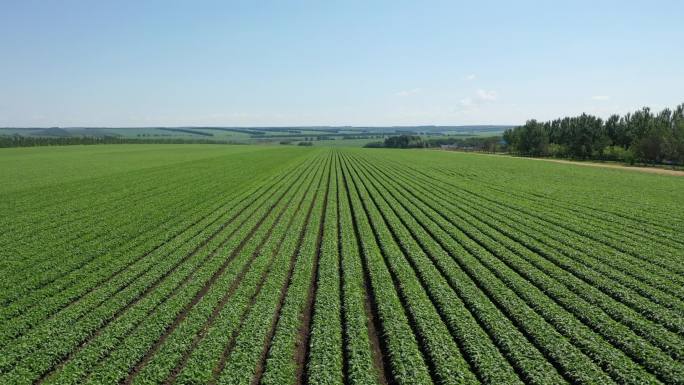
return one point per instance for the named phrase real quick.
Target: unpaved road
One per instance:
(652, 170)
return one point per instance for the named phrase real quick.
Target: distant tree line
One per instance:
(350, 137)
(404, 141)
(239, 130)
(324, 135)
(642, 136)
(185, 130)
(34, 141)
(475, 143)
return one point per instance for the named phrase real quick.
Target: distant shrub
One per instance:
(618, 153)
(404, 141)
(305, 144)
(558, 150)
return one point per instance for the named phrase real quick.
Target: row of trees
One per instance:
(475, 143)
(405, 141)
(34, 141)
(640, 136)
(472, 143)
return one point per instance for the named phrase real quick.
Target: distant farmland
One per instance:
(338, 136)
(210, 264)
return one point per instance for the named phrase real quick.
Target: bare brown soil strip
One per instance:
(205, 289)
(411, 317)
(342, 278)
(186, 355)
(381, 365)
(421, 243)
(261, 365)
(302, 351)
(506, 312)
(233, 338)
(229, 293)
(378, 347)
(439, 310)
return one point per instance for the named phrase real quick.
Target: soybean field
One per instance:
(219, 264)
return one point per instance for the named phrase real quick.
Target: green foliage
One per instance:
(35, 141)
(374, 145)
(642, 135)
(281, 265)
(476, 143)
(618, 153)
(404, 141)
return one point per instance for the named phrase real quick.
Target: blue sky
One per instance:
(148, 63)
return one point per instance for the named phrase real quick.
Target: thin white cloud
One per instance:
(471, 77)
(474, 102)
(487, 96)
(600, 97)
(404, 93)
(466, 102)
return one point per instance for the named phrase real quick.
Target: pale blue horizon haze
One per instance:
(227, 63)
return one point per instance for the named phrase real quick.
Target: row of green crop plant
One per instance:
(325, 359)
(362, 361)
(661, 274)
(647, 274)
(485, 299)
(78, 241)
(442, 354)
(590, 315)
(478, 325)
(287, 351)
(207, 357)
(107, 230)
(645, 198)
(47, 281)
(85, 282)
(477, 263)
(401, 347)
(220, 312)
(78, 323)
(273, 318)
(164, 209)
(238, 258)
(609, 274)
(481, 355)
(631, 227)
(657, 362)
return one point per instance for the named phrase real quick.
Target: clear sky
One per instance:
(255, 63)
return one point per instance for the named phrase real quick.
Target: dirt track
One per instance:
(652, 170)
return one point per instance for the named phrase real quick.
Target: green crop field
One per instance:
(219, 264)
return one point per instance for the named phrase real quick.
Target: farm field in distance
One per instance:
(222, 264)
(344, 136)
